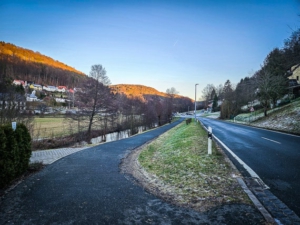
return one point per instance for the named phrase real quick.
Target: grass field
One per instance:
(179, 159)
(50, 127)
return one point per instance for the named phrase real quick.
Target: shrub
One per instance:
(3, 157)
(15, 152)
(9, 156)
(24, 147)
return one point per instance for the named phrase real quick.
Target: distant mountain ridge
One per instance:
(24, 64)
(35, 57)
(139, 91)
(18, 63)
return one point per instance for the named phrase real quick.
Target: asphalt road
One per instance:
(274, 156)
(88, 188)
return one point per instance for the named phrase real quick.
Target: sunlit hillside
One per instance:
(134, 90)
(140, 91)
(31, 56)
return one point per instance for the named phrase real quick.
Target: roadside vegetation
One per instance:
(286, 118)
(178, 160)
(275, 83)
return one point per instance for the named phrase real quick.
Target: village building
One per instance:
(50, 88)
(19, 82)
(36, 87)
(62, 88)
(295, 70)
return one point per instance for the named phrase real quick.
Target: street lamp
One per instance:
(195, 99)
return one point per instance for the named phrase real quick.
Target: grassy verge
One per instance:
(179, 159)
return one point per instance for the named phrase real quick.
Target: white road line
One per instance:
(250, 171)
(271, 140)
(247, 168)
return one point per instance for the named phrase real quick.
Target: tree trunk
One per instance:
(265, 111)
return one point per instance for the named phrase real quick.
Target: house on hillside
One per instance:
(31, 97)
(295, 74)
(60, 100)
(19, 82)
(294, 81)
(50, 88)
(62, 88)
(36, 87)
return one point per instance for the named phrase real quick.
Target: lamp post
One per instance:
(195, 99)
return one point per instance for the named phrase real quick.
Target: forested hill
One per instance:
(140, 91)
(31, 56)
(24, 64)
(135, 90)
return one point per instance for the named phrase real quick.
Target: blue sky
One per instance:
(161, 44)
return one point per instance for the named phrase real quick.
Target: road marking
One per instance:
(247, 168)
(271, 140)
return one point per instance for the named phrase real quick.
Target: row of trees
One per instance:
(100, 107)
(267, 85)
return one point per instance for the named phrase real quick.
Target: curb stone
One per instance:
(280, 212)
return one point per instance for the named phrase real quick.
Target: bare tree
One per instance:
(95, 100)
(98, 72)
(169, 103)
(172, 91)
(270, 88)
(219, 91)
(228, 108)
(207, 92)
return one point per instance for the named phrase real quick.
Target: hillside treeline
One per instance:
(266, 86)
(24, 64)
(102, 111)
(96, 108)
(141, 91)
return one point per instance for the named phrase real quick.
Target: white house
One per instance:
(31, 97)
(62, 88)
(50, 88)
(19, 82)
(60, 100)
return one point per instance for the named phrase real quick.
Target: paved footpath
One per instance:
(51, 155)
(86, 187)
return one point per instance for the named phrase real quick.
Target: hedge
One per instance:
(15, 152)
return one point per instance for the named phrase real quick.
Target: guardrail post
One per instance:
(209, 140)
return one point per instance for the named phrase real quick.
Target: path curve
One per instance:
(87, 188)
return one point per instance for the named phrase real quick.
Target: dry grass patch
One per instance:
(183, 170)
